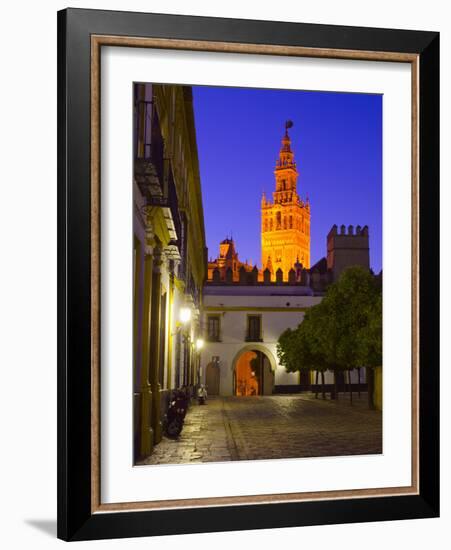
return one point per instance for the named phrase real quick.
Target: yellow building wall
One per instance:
(176, 114)
(176, 119)
(377, 394)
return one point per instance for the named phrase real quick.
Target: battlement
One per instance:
(316, 279)
(347, 247)
(348, 231)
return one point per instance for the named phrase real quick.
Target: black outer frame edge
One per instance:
(75, 521)
(74, 298)
(430, 273)
(256, 516)
(61, 278)
(192, 27)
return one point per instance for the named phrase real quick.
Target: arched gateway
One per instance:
(253, 371)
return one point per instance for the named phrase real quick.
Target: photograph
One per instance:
(248, 273)
(257, 274)
(225, 277)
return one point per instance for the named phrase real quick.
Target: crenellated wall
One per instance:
(347, 247)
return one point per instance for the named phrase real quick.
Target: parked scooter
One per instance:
(175, 417)
(201, 394)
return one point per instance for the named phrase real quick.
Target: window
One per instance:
(254, 326)
(213, 328)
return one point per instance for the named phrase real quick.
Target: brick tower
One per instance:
(285, 224)
(347, 249)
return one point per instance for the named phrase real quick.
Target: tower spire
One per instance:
(285, 227)
(286, 171)
(286, 156)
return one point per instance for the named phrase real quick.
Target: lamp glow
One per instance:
(199, 344)
(185, 315)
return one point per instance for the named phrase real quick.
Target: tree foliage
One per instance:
(342, 332)
(301, 349)
(355, 315)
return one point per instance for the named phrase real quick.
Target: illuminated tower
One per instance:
(285, 224)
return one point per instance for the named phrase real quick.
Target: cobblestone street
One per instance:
(282, 426)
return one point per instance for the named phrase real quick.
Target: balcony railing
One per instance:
(153, 172)
(183, 246)
(149, 143)
(192, 290)
(149, 154)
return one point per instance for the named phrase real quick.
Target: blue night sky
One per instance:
(337, 142)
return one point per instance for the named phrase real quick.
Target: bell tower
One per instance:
(285, 221)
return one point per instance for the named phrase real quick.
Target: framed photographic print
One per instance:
(248, 274)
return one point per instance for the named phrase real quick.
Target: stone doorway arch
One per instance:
(253, 371)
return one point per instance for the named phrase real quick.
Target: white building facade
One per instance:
(237, 319)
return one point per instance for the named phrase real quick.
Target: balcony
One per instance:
(193, 291)
(153, 173)
(149, 150)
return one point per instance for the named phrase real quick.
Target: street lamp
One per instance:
(199, 344)
(185, 315)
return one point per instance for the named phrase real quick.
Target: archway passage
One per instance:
(253, 374)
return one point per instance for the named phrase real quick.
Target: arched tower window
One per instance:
(278, 220)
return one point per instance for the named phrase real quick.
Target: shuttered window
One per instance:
(254, 328)
(213, 328)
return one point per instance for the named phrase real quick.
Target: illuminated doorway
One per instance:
(253, 373)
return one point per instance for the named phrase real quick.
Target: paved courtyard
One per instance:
(280, 426)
